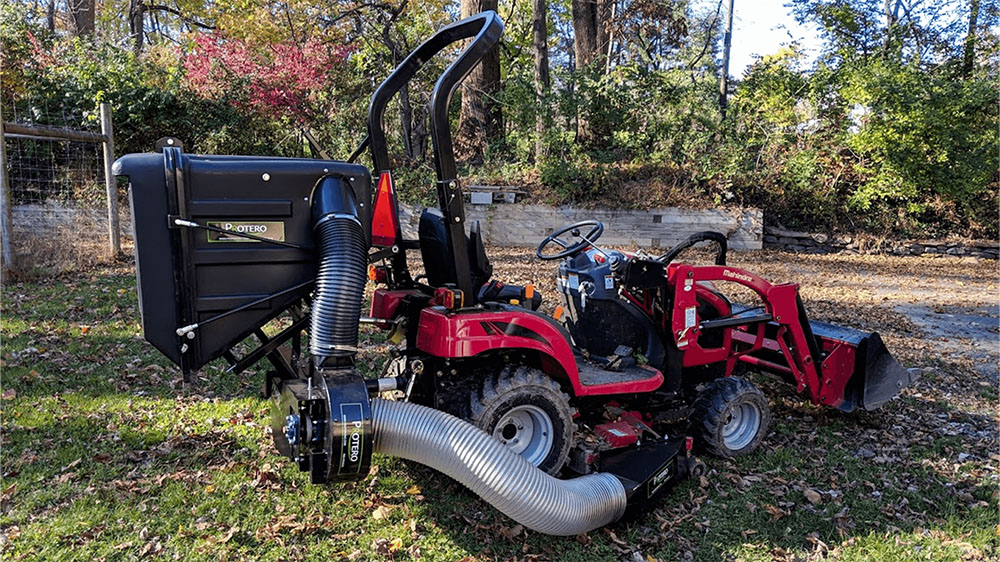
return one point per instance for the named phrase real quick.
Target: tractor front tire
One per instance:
(527, 411)
(730, 417)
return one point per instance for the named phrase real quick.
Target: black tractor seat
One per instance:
(439, 264)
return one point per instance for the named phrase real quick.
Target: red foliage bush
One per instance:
(275, 80)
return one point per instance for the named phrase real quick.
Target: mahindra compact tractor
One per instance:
(565, 421)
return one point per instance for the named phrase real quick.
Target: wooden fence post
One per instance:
(6, 230)
(114, 234)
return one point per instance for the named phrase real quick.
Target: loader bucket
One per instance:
(876, 376)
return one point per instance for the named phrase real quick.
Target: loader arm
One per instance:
(838, 367)
(782, 306)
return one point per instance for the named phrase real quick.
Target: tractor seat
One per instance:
(439, 265)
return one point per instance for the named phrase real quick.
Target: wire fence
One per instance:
(57, 160)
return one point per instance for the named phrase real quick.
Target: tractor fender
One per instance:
(471, 332)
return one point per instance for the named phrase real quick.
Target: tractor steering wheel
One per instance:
(570, 249)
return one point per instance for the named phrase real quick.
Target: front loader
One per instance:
(564, 422)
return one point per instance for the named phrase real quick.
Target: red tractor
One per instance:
(636, 365)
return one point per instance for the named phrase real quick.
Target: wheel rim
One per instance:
(526, 430)
(742, 425)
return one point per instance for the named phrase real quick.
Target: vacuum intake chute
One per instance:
(340, 281)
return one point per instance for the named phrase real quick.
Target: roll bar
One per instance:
(486, 28)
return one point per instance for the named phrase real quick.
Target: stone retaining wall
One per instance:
(818, 243)
(526, 225)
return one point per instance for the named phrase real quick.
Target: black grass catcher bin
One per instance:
(224, 243)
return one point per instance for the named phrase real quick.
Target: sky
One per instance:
(761, 27)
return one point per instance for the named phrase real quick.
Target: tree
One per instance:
(590, 27)
(969, 55)
(724, 72)
(480, 120)
(540, 45)
(136, 22)
(82, 13)
(591, 19)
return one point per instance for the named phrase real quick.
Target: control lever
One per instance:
(586, 288)
(576, 232)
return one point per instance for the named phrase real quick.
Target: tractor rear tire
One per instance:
(730, 417)
(527, 411)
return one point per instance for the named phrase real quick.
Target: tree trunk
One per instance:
(590, 28)
(724, 74)
(50, 16)
(480, 120)
(890, 46)
(136, 19)
(970, 40)
(82, 12)
(540, 43)
(590, 44)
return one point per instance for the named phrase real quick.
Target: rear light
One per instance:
(385, 219)
(377, 274)
(557, 313)
(529, 292)
(688, 444)
(449, 298)
(599, 258)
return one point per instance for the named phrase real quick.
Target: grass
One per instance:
(105, 456)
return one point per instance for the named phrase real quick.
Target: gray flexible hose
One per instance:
(495, 473)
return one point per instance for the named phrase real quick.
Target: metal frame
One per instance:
(486, 28)
(106, 138)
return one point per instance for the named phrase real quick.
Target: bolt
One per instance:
(170, 141)
(458, 219)
(351, 180)
(292, 429)
(266, 177)
(325, 170)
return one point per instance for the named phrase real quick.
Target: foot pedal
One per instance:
(620, 359)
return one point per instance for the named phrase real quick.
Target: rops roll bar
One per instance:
(486, 28)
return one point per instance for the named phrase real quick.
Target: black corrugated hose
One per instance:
(340, 282)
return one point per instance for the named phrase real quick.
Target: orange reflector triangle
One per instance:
(385, 220)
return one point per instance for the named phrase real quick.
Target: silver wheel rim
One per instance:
(742, 425)
(526, 430)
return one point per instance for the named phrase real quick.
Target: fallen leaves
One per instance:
(381, 512)
(813, 496)
(386, 547)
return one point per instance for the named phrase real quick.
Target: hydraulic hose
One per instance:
(340, 282)
(495, 473)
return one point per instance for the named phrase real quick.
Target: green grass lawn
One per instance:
(106, 457)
